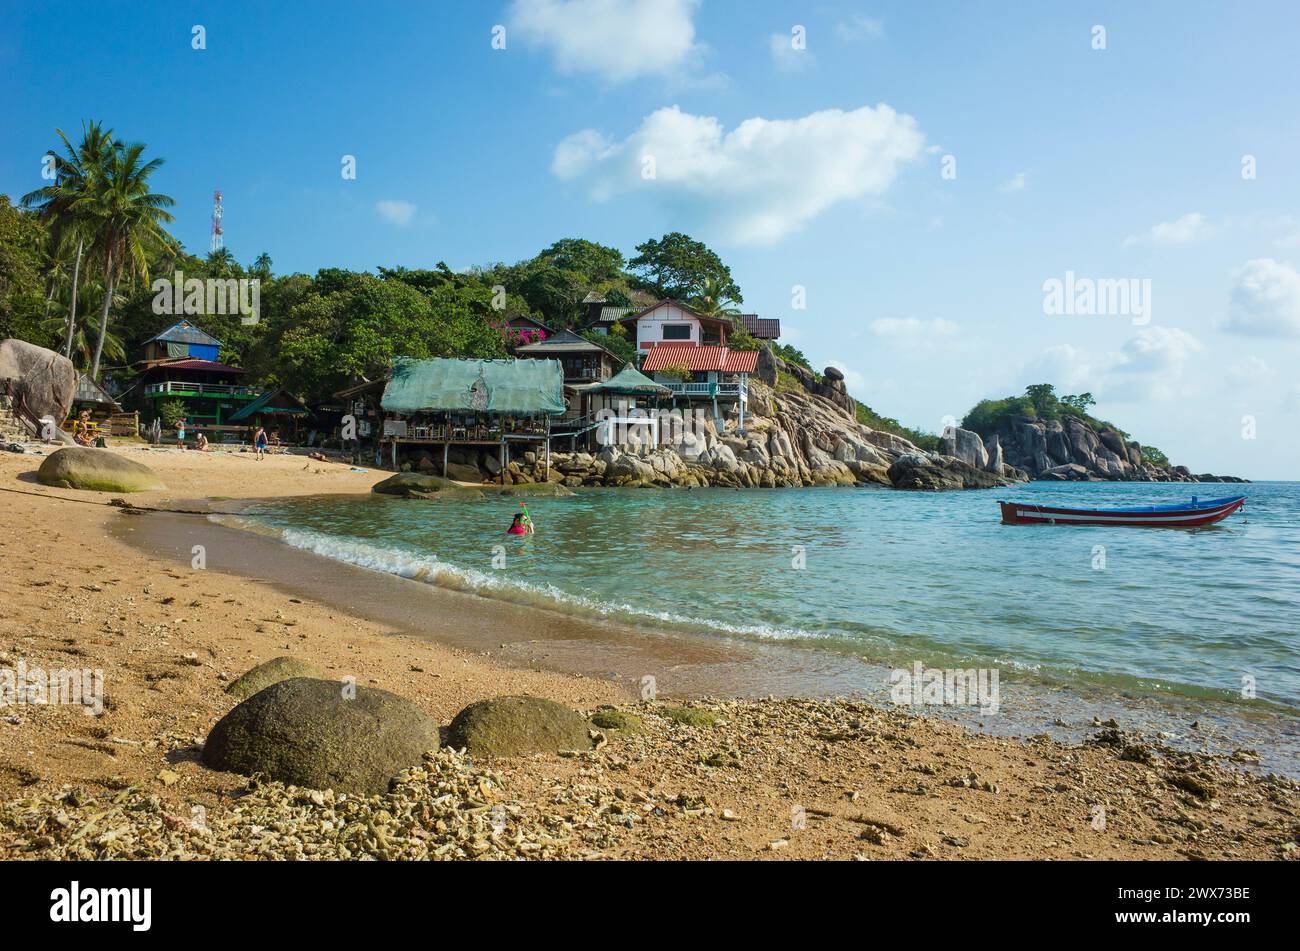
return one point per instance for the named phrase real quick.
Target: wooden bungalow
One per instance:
(582, 360)
(598, 410)
(475, 403)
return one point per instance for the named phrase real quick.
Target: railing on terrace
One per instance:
(710, 389)
(202, 389)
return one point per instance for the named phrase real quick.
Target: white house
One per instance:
(672, 322)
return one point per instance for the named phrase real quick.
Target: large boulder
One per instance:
(420, 485)
(966, 446)
(99, 470)
(936, 472)
(323, 735)
(45, 381)
(463, 472)
(271, 672)
(516, 726)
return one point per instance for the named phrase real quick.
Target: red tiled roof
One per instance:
(764, 328)
(700, 359)
(210, 366)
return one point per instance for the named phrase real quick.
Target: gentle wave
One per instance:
(428, 569)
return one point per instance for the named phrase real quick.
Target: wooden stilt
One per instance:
(446, 448)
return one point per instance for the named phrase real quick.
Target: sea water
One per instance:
(1211, 615)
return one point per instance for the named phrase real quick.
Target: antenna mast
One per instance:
(217, 232)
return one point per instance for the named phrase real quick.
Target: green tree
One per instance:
(711, 300)
(21, 238)
(64, 205)
(1080, 403)
(1043, 398)
(127, 218)
(676, 265)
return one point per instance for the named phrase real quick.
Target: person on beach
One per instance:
(180, 433)
(83, 430)
(259, 442)
(522, 525)
(201, 442)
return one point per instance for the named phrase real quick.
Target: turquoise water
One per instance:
(890, 576)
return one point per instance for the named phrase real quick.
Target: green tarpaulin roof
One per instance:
(628, 381)
(507, 387)
(276, 402)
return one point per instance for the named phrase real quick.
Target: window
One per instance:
(677, 331)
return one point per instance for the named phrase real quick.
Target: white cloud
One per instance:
(785, 56)
(757, 183)
(859, 27)
(1157, 350)
(1251, 371)
(400, 213)
(1265, 300)
(1014, 184)
(1149, 366)
(1065, 367)
(912, 328)
(617, 40)
(1185, 230)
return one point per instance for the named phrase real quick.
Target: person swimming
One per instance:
(518, 526)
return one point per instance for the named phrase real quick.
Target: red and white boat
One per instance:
(1186, 515)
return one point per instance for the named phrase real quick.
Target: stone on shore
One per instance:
(309, 733)
(272, 672)
(97, 470)
(517, 726)
(935, 473)
(421, 485)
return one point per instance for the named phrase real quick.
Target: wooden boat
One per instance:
(1187, 515)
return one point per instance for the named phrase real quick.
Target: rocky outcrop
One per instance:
(98, 470)
(517, 726)
(322, 734)
(793, 436)
(936, 472)
(1070, 448)
(44, 381)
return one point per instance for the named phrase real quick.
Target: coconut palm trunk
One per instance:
(109, 275)
(72, 302)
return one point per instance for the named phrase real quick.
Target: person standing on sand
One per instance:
(259, 442)
(180, 433)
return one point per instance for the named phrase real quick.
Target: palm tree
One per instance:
(76, 173)
(711, 300)
(262, 266)
(221, 262)
(128, 220)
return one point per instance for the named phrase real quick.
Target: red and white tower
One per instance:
(217, 240)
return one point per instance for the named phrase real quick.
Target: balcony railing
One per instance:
(184, 388)
(740, 389)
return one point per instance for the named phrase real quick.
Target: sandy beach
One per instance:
(738, 779)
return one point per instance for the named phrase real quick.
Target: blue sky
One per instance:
(819, 168)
